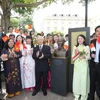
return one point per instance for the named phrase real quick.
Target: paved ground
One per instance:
(28, 96)
(51, 96)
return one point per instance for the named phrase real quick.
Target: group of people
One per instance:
(86, 76)
(26, 65)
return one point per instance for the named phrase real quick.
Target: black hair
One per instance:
(31, 32)
(66, 35)
(21, 37)
(84, 43)
(48, 34)
(25, 31)
(6, 44)
(10, 27)
(29, 37)
(97, 27)
(12, 35)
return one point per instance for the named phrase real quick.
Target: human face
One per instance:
(80, 40)
(32, 33)
(28, 41)
(12, 37)
(97, 32)
(19, 38)
(50, 38)
(40, 40)
(11, 43)
(66, 38)
(21, 31)
(55, 38)
(10, 30)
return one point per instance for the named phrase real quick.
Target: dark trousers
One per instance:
(0, 78)
(94, 81)
(41, 77)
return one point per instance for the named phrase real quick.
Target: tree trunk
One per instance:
(6, 15)
(6, 22)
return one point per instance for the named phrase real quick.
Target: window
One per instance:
(55, 28)
(48, 29)
(62, 28)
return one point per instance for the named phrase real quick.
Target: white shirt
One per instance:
(97, 52)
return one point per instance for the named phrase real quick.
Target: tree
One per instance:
(21, 6)
(14, 22)
(25, 20)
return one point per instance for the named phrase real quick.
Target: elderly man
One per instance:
(41, 54)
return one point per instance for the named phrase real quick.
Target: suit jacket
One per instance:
(92, 59)
(42, 64)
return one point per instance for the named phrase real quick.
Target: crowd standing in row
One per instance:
(27, 66)
(26, 60)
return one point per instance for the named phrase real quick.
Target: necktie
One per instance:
(40, 47)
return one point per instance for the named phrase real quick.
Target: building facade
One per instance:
(62, 22)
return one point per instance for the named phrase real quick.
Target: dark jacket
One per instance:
(93, 52)
(42, 64)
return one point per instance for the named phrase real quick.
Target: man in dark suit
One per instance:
(41, 54)
(95, 65)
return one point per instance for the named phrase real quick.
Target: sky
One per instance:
(73, 8)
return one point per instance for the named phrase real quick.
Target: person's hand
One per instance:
(37, 54)
(41, 56)
(93, 55)
(15, 55)
(4, 57)
(11, 55)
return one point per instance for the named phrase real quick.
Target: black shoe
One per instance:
(44, 93)
(35, 92)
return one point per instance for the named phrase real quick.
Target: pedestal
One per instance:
(59, 75)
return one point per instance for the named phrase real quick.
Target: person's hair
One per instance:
(38, 34)
(30, 33)
(6, 44)
(97, 27)
(84, 43)
(21, 37)
(55, 35)
(25, 31)
(66, 35)
(39, 37)
(12, 35)
(10, 27)
(48, 34)
(29, 37)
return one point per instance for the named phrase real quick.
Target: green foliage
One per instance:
(56, 32)
(14, 22)
(23, 10)
(25, 20)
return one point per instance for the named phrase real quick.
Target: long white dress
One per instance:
(81, 81)
(21, 66)
(29, 68)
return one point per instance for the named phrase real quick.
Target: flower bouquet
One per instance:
(81, 55)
